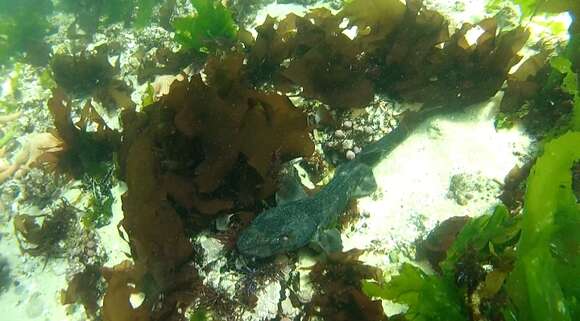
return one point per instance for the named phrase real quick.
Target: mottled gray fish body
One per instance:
(293, 225)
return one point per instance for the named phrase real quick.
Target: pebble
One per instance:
(339, 134)
(356, 149)
(347, 124)
(350, 155)
(348, 144)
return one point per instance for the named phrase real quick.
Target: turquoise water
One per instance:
(378, 159)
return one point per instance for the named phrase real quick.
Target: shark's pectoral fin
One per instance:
(327, 241)
(366, 186)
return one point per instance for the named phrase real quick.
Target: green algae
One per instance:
(532, 260)
(544, 283)
(23, 26)
(429, 297)
(91, 14)
(8, 136)
(212, 24)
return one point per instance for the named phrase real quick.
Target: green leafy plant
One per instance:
(532, 7)
(4, 274)
(212, 25)
(532, 261)
(486, 240)
(8, 135)
(544, 284)
(429, 297)
(99, 184)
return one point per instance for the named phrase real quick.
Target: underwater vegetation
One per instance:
(92, 13)
(544, 88)
(212, 24)
(82, 150)
(179, 154)
(42, 235)
(91, 74)
(83, 73)
(23, 26)
(4, 275)
(338, 283)
(215, 145)
(529, 259)
(505, 266)
(411, 56)
(99, 185)
(216, 142)
(84, 289)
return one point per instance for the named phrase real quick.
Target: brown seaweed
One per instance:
(88, 74)
(83, 288)
(230, 120)
(207, 147)
(434, 247)
(82, 150)
(42, 235)
(402, 51)
(123, 280)
(327, 64)
(338, 283)
(423, 64)
(531, 99)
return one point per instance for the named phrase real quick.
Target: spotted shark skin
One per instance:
(293, 225)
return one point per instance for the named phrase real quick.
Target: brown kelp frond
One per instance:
(84, 288)
(39, 149)
(404, 51)
(83, 73)
(124, 280)
(89, 74)
(205, 148)
(434, 247)
(229, 120)
(375, 19)
(326, 64)
(83, 150)
(536, 95)
(424, 64)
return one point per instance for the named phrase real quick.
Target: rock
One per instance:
(347, 144)
(339, 134)
(350, 155)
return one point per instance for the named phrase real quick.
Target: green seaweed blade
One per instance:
(212, 24)
(544, 283)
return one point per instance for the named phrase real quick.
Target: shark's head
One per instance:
(271, 234)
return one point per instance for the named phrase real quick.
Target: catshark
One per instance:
(293, 225)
